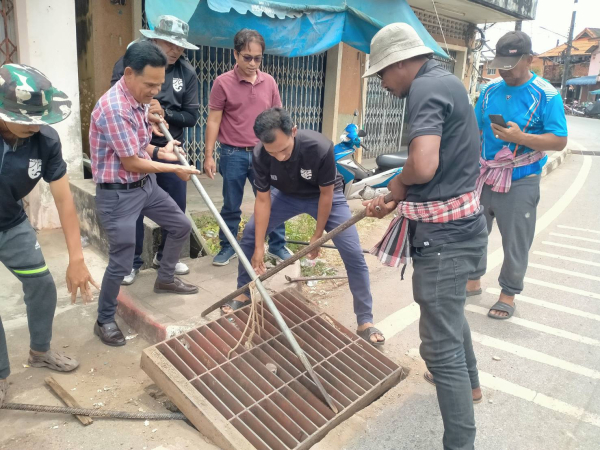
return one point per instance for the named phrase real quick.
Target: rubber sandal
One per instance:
(3, 391)
(368, 332)
(474, 293)
(429, 378)
(53, 360)
(234, 305)
(501, 306)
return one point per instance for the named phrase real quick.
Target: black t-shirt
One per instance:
(22, 165)
(311, 165)
(438, 105)
(178, 97)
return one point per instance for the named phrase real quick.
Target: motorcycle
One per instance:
(360, 182)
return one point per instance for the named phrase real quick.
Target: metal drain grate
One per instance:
(240, 404)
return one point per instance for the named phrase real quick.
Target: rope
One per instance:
(93, 412)
(253, 319)
(441, 29)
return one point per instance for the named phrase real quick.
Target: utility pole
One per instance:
(568, 57)
(518, 25)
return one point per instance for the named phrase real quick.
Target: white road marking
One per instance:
(567, 258)
(496, 258)
(577, 238)
(539, 327)
(559, 287)
(564, 271)
(578, 229)
(395, 323)
(533, 355)
(498, 384)
(572, 247)
(549, 305)
(398, 321)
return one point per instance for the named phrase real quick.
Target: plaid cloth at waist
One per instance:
(498, 172)
(394, 247)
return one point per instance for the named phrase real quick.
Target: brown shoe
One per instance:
(178, 286)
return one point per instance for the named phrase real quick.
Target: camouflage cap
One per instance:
(27, 97)
(171, 29)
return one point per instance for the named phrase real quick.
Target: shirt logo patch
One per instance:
(306, 173)
(37, 245)
(35, 168)
(274, 177)
(508, 97)
(177, 84)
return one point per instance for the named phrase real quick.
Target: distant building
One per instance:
(584, 68)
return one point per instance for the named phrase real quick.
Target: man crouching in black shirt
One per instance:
(295, 173)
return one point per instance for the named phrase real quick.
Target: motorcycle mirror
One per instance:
(362, 133)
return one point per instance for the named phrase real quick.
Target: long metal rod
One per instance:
(253, 275)
(332, 247)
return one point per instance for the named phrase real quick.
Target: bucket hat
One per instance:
(27, 97)
(394, 43)
(171, 29)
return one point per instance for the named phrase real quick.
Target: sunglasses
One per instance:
(249, 58)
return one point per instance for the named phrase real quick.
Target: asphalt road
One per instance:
(540, 371)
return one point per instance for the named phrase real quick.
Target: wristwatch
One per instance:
(155, 152)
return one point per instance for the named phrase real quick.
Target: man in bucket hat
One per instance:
(177, 104)
(29, 151)
(512, 158)
(445, 236)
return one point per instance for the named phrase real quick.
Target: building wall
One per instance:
(46, 40)
(103, 32)
(594, 68)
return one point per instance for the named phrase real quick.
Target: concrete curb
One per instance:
(156, 327)
(140, 319)
(555, 160)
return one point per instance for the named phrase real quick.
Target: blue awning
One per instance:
(581, 81)
(290, 29)
(596, 92)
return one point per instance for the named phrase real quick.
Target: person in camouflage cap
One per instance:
(27, 97)
(177, 105)
(29, 151)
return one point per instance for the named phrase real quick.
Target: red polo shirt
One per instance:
(241, 103)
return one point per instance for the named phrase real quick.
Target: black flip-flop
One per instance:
(501, 306)
(234, 305)
(474, 293)
(368, 332)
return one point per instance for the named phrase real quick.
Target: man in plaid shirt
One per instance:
(439, 216)
(126, 182)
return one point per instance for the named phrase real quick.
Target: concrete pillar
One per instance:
(137, 18)
(46, 40)
(332, 92)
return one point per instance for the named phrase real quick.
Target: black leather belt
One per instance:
(243, 149)
(123, 186)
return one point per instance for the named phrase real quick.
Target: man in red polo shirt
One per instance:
(236, 99)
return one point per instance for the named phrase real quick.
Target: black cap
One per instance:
(509, 50)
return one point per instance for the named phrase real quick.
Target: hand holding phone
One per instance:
(497, 119)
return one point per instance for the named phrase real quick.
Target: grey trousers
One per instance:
(515, 212)
(118, 211)
(440, 288)
(21, 254)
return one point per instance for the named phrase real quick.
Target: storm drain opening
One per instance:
(262, 397)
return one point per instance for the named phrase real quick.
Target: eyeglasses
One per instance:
(249, 58)
(380, 74)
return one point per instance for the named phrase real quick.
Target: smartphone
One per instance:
(498, 120)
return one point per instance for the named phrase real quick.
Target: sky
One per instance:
(554, 15)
